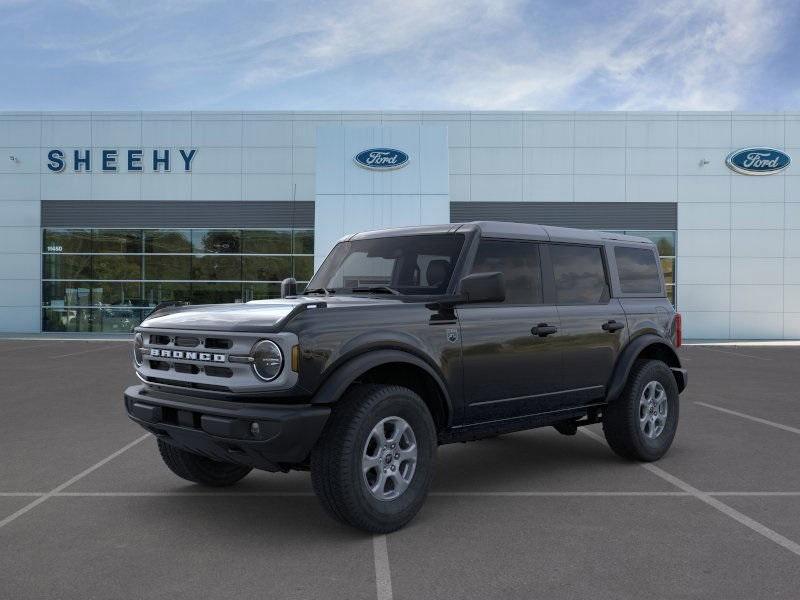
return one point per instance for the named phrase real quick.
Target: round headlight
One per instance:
(138, 344)
(267, 360)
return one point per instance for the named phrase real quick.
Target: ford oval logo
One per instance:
(381, 159)
(758, 161)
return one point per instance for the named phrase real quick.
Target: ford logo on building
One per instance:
(758, 161)
(381, 159)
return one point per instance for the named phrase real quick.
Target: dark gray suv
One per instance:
(410, 338)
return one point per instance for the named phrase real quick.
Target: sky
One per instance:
(399, 55)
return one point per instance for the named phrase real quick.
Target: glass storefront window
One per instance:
(228, 241)
(161, 266)
(267, 241)
(213, 267)
(116, 266)
(303, 267)
(261, 291)
(67, 266)
(122, 241)
(108, 280)
(303, 241)
(267, 268)
(162, 241)
(67, 240)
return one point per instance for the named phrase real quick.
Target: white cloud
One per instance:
(461, 54)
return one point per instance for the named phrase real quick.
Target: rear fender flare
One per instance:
(632, 352)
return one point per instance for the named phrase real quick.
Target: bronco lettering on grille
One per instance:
(182, 354)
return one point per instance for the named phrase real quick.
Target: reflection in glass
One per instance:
(216, 267)
(167, 241)
(67, 266)
(117, 240)
(112, 320)
(91, 293)
(303, 267)
(160, 266)
(67, 240)
(267, 241)
(303, 241)
(267, 268)
(226, 241)
(668, 266)
(117, 267)
(216, 293)
(261, 291)
(157, 292)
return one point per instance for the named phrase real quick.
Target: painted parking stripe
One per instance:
(734, 514)
(82, 352)
(383, 575)
(30, 506)
(750, 417)
(740, 354)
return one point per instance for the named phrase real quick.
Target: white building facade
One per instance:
(103, 215)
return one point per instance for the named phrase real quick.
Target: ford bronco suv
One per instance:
(410, 338)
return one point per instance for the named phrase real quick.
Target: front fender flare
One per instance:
(345, 374)
(629, 355)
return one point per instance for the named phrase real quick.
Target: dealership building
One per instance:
(105, 214)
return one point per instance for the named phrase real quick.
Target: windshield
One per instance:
(408, 264)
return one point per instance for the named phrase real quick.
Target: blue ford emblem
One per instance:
(381, 159)
(758, 161)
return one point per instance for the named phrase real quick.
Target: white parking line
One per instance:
(82, 352)
(69, 482)
(734, 514)
(383, 576)
(741, 354)
(751, 418)
(20, 348)
(432, 494)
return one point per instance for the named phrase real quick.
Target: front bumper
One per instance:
(223, 430)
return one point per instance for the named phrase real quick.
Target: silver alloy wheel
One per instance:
(389, 458)
(653, 409)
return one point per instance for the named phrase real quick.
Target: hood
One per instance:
(255, 316)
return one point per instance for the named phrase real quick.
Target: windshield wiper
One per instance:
(321, 290)
(375, 289)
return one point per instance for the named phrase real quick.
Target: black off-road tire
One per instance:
(621, 423)
(336, 471)
(200, 469)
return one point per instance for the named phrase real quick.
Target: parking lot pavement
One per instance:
(533, 513)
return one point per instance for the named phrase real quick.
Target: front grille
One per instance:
(197, 360)
(218, 344)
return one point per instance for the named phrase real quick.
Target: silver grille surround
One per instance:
(243, 379)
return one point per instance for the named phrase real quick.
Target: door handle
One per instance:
(612, 326)
(543, 330)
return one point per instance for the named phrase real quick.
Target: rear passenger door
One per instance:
(510, 350)
(592, 323)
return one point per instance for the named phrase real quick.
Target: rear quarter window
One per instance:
(638, 270)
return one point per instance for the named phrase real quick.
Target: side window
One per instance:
(580, 277)
(519, 264)
(638, 270)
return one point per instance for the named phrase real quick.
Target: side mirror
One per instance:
(482, 287)
(288, 287)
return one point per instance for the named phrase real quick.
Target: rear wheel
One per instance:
(373, 464)
(641, 423)
(200, 469)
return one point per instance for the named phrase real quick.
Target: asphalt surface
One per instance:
(87, 510)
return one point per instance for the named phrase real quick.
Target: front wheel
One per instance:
(373, 465)
(641, 423)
